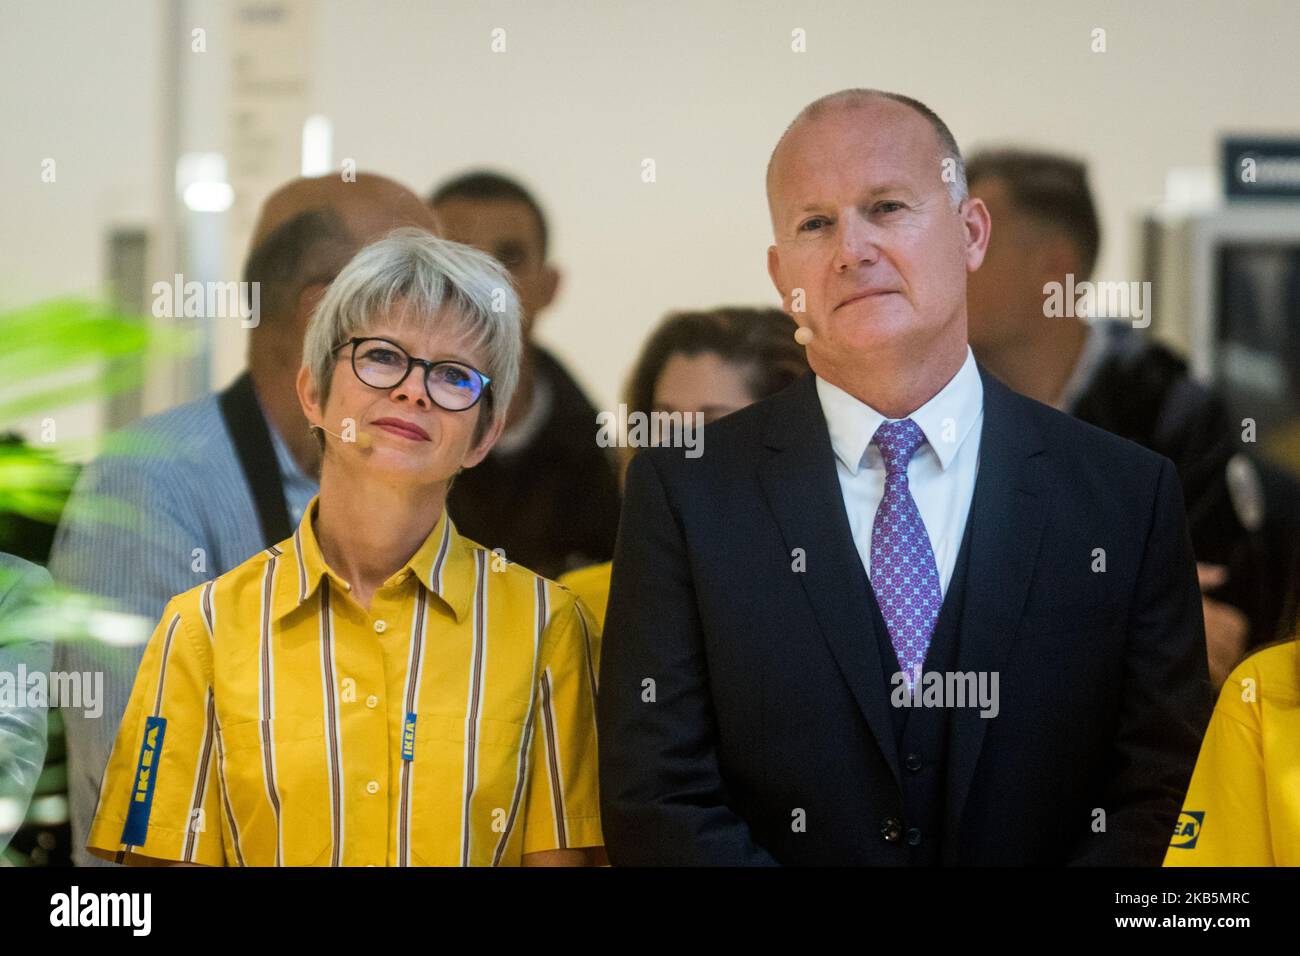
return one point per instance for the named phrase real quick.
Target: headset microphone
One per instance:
(362, 440)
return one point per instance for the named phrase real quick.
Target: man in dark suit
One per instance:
(896, 614)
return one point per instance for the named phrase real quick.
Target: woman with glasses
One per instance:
(375, 690)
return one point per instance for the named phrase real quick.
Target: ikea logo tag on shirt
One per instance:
(408, 737)
(1188, 829)
(146, 775)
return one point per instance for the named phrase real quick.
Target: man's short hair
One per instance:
(1052, 189)
(483, 185)
(858, 96)
(309, 248)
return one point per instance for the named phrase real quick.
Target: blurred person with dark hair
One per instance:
(197, 489)
(562, 486)
(1109, 374)
(713, 363)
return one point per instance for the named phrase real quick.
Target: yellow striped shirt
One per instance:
(276, 722)
(1243, 803)
(591, 585)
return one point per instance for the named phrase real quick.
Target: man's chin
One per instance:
(869, 333)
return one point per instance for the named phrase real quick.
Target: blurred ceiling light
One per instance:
(1192, 189)
(201, 182)
(209, 197)
(317, 140)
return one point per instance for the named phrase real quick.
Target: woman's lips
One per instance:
(404, 429)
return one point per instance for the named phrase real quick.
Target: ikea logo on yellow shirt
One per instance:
(144, 772)
(146, 777)
(1187, 829)
(408, 737)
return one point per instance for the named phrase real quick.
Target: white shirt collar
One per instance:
(946, 419)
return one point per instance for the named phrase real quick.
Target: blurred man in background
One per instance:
(562, 486)
(200, 488)
(1117, 377)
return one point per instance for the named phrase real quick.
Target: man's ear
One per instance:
(774, 272)
(480, 451)
(309, 397)
(977, 225)
(549, 286)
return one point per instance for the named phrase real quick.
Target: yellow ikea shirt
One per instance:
(591, 584)
(1243, 805)
(274, 721)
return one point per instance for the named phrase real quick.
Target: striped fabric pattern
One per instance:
(182, 514)
(286, 705)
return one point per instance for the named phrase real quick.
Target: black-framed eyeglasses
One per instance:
(381, 363)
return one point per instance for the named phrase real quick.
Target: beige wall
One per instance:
(586, 91)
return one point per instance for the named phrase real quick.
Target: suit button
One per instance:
(914, 837)
(891, 828)
(913, 762)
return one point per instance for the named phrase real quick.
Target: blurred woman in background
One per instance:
(714, 363)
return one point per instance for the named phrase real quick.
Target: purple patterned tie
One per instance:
(904, 575)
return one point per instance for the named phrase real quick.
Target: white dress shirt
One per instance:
(940, 476)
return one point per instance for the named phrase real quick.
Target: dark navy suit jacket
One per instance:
(736, 691)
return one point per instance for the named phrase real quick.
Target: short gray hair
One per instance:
(430, 274)
(845, 99)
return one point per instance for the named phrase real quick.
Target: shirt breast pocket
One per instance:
(283, 761)
(492, 734)
(482, 769)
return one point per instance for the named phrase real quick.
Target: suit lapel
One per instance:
(1008, 513)
(803, 491)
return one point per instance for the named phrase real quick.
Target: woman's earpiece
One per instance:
(362, 439)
